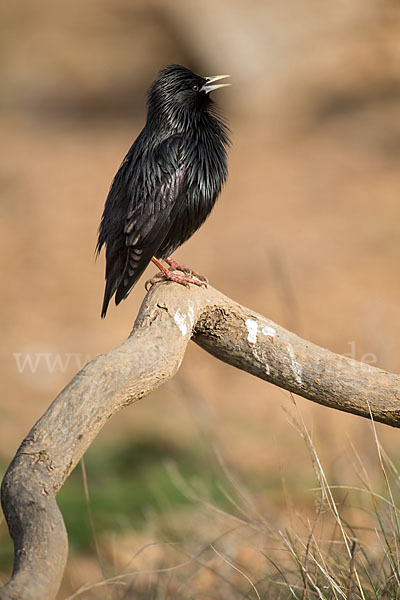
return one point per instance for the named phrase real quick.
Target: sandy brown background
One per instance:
(306, 231)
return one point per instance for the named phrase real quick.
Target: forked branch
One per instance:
(169, 317)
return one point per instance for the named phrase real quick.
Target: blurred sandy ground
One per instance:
(306, 231)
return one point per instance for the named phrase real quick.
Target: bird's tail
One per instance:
(108, 294)
(113, 279)
(138, 259)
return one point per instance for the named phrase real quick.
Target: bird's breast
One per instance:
(205, 168)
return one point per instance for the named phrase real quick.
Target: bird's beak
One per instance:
(208, 87)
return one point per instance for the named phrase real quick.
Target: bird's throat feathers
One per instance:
(205, 136)
(183, 119)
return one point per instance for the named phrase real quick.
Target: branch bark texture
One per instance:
(169, 317)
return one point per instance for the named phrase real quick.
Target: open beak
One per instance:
(208, 87)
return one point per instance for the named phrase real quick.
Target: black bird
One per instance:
(167, 184)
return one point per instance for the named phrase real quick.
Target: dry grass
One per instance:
(347, 547)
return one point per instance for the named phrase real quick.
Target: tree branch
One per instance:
(169, 316)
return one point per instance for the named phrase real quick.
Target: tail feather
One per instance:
(114, 273)
(138, 260)
(108, 293)
(123, 275)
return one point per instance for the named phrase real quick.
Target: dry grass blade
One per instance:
(351, 571)
(89, 510)
(228, 562)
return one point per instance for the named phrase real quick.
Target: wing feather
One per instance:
(136, 220)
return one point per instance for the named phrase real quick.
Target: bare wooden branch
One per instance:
(169, 317)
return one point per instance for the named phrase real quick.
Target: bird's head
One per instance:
(179, 95)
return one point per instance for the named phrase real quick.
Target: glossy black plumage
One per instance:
(168, 182)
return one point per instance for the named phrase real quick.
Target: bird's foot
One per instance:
(167, 275)
(177, 267)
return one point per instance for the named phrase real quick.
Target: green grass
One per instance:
(127, 482)
(6, 545)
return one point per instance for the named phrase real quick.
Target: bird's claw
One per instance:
(168, 276)
(174, 266)
(160, 277)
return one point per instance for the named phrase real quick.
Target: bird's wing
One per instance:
(147, 221)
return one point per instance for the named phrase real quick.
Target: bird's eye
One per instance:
(195, 87)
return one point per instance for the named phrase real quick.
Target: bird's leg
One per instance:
(177, 267)
(167, 275)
